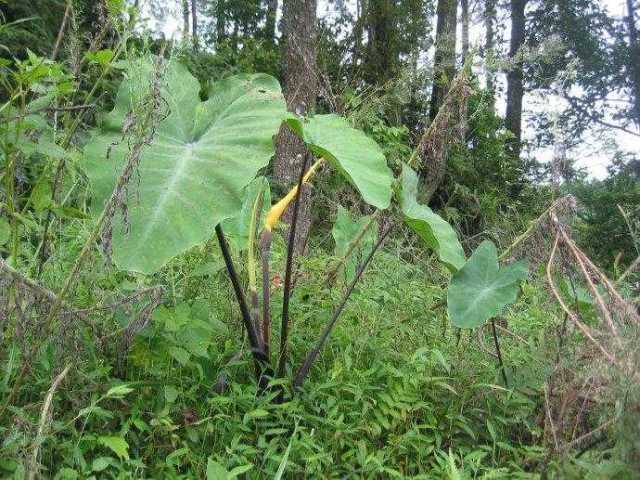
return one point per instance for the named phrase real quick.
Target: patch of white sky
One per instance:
(593, 153)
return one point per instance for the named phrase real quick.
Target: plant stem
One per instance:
(251, 266)
(303, 371)
(256, 345)
(265, 253)
(284, 331)
(495, 340)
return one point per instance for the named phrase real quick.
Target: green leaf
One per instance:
(430, 227)
(193, 174)
(480, 289)
(356, 156)
(180, 354)
(174, 458)
(41, 195)
(215, 471)
(170, 393)
(5, 231)
(102, 57)
(116, 444)
(239, 470)
(119, 391)
(345, 231)
(100, 464)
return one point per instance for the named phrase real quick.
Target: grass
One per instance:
(397, 393)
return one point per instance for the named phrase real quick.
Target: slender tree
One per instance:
(489, 46)
(300, 90)
(445, 54)
(185, 17)
(515, 83)
(381, 32)
(634, 58)
(221, 21)
(464, 5)
(270, 25)
(194, 21)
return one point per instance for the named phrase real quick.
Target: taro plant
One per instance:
(199, 173)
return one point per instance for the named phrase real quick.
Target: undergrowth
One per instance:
(398, 394)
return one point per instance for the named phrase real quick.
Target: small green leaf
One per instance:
(119, 391)
(345, 231)
(430, 227)
(5, 231)
(100, 464)
(215, 471)
(237, 471)
(102, 57)
(174, 457)
(41, 196)
(116, 444)
(170, 393)
(257, 413)
(180, 354)
(480, 289)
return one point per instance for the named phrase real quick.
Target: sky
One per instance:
(592, 154)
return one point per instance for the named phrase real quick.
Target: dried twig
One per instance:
(33, 465)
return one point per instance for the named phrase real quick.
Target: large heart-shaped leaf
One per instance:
(356, 156)
(192, 175)
(431, 227)
(480, 289)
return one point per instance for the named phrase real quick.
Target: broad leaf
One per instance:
(193, 174)
(356, 156)
(345, 232)
(431, 227)
(117, 445)
(480, 289)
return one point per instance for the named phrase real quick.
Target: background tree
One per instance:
(300, 83)
(515, 84)
(444, 62)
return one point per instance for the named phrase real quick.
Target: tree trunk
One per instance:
(634, 59)
(357, 31)
(444, 63)
(515, 87)
(464, 4)
(185, 18)
(300, 91)
(221, 22)
(489, 45)
(380, 63)
(194, 21)
(270, 26)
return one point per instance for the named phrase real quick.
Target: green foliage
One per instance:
(346, 233)
(193, 172)
(350, 151)
(172, 393)
(599, 211)
(431, 228)
(481, 289)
